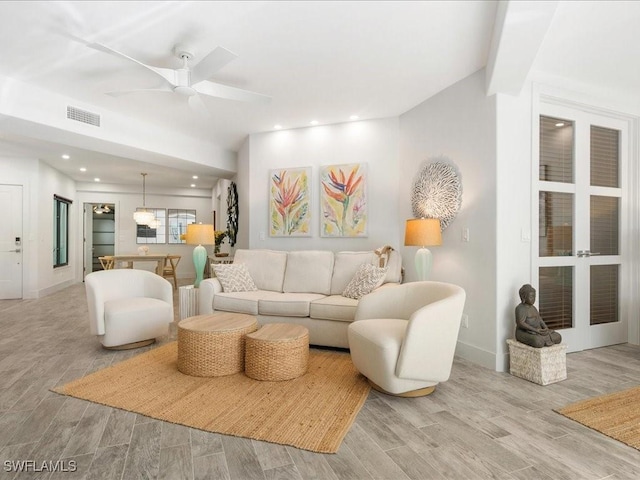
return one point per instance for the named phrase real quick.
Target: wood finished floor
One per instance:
(478, 425)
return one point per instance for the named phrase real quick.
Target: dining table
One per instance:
(127, 261)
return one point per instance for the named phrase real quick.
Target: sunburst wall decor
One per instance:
(437, 192)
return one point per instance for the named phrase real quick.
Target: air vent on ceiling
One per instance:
(83, 116)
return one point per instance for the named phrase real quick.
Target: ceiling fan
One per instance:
(191, 81)
(100, 209)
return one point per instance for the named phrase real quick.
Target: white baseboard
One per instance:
(54, 288)
(482, 357)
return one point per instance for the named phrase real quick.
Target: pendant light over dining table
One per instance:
(144, 217)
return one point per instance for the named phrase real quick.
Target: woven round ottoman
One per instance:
(278, 351)
(213, 345)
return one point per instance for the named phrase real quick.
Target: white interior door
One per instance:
(11, 242)
(582, 212)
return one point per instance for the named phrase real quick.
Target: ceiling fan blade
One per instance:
(231, 93)
(210, 64)
(166, 73)
(196, 103)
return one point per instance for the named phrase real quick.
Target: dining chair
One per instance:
(106, 262)
(170, 266)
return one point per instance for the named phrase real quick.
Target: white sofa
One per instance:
(302, 287)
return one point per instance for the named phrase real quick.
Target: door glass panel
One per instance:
(605, 153)
(604, 294)
(556, 296)
(555, 224)
(556, 150)
(605, 213)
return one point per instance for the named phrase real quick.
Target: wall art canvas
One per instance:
(343, 200)
(289, 202)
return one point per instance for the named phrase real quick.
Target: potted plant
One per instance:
(220, 235)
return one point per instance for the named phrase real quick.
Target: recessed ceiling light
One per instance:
(314, 122)
(195, 177)
(354, 117)
(193, 185)
(82, 169)
(277, 127)
(560, 124)
(66, 157)
(96, 179)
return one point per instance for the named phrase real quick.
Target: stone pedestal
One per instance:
(188, 301)
(538, 365)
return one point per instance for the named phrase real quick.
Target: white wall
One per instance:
(374, 142)
(51, 182)
(514, 207)
(243, 182)
(459, 123)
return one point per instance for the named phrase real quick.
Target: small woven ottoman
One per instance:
(213, 345)
(278, 351)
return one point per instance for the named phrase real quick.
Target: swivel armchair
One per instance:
(404, 337)
(128, 308)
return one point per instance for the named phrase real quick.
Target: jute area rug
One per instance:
(616, 415)
(312, 412)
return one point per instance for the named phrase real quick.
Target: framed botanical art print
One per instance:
(343, 200)
(290, 202)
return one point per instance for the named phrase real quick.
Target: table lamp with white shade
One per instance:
(423, 232)
(200, 234)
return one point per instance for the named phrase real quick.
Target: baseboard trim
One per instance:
(55, 288)
(481, 357)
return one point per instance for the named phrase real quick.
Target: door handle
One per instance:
(17, 250)
(587, 253)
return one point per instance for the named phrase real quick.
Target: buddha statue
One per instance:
(530, 327)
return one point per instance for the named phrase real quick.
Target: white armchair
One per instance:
(404, 337)
(128, 308)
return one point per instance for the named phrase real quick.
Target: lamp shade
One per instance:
(422, 232)
(200, 234)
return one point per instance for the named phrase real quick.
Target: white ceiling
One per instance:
(317, 60)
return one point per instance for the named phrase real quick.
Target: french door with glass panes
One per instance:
(581, 222)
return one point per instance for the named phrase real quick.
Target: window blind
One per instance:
(605, 155)
(556, 150)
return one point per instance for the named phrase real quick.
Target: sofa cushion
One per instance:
(287, 304)
(367, 278)
(242, 302)
(309, 271)
(334, 307)
(266, 267)
(345, 267)
(234, 278)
